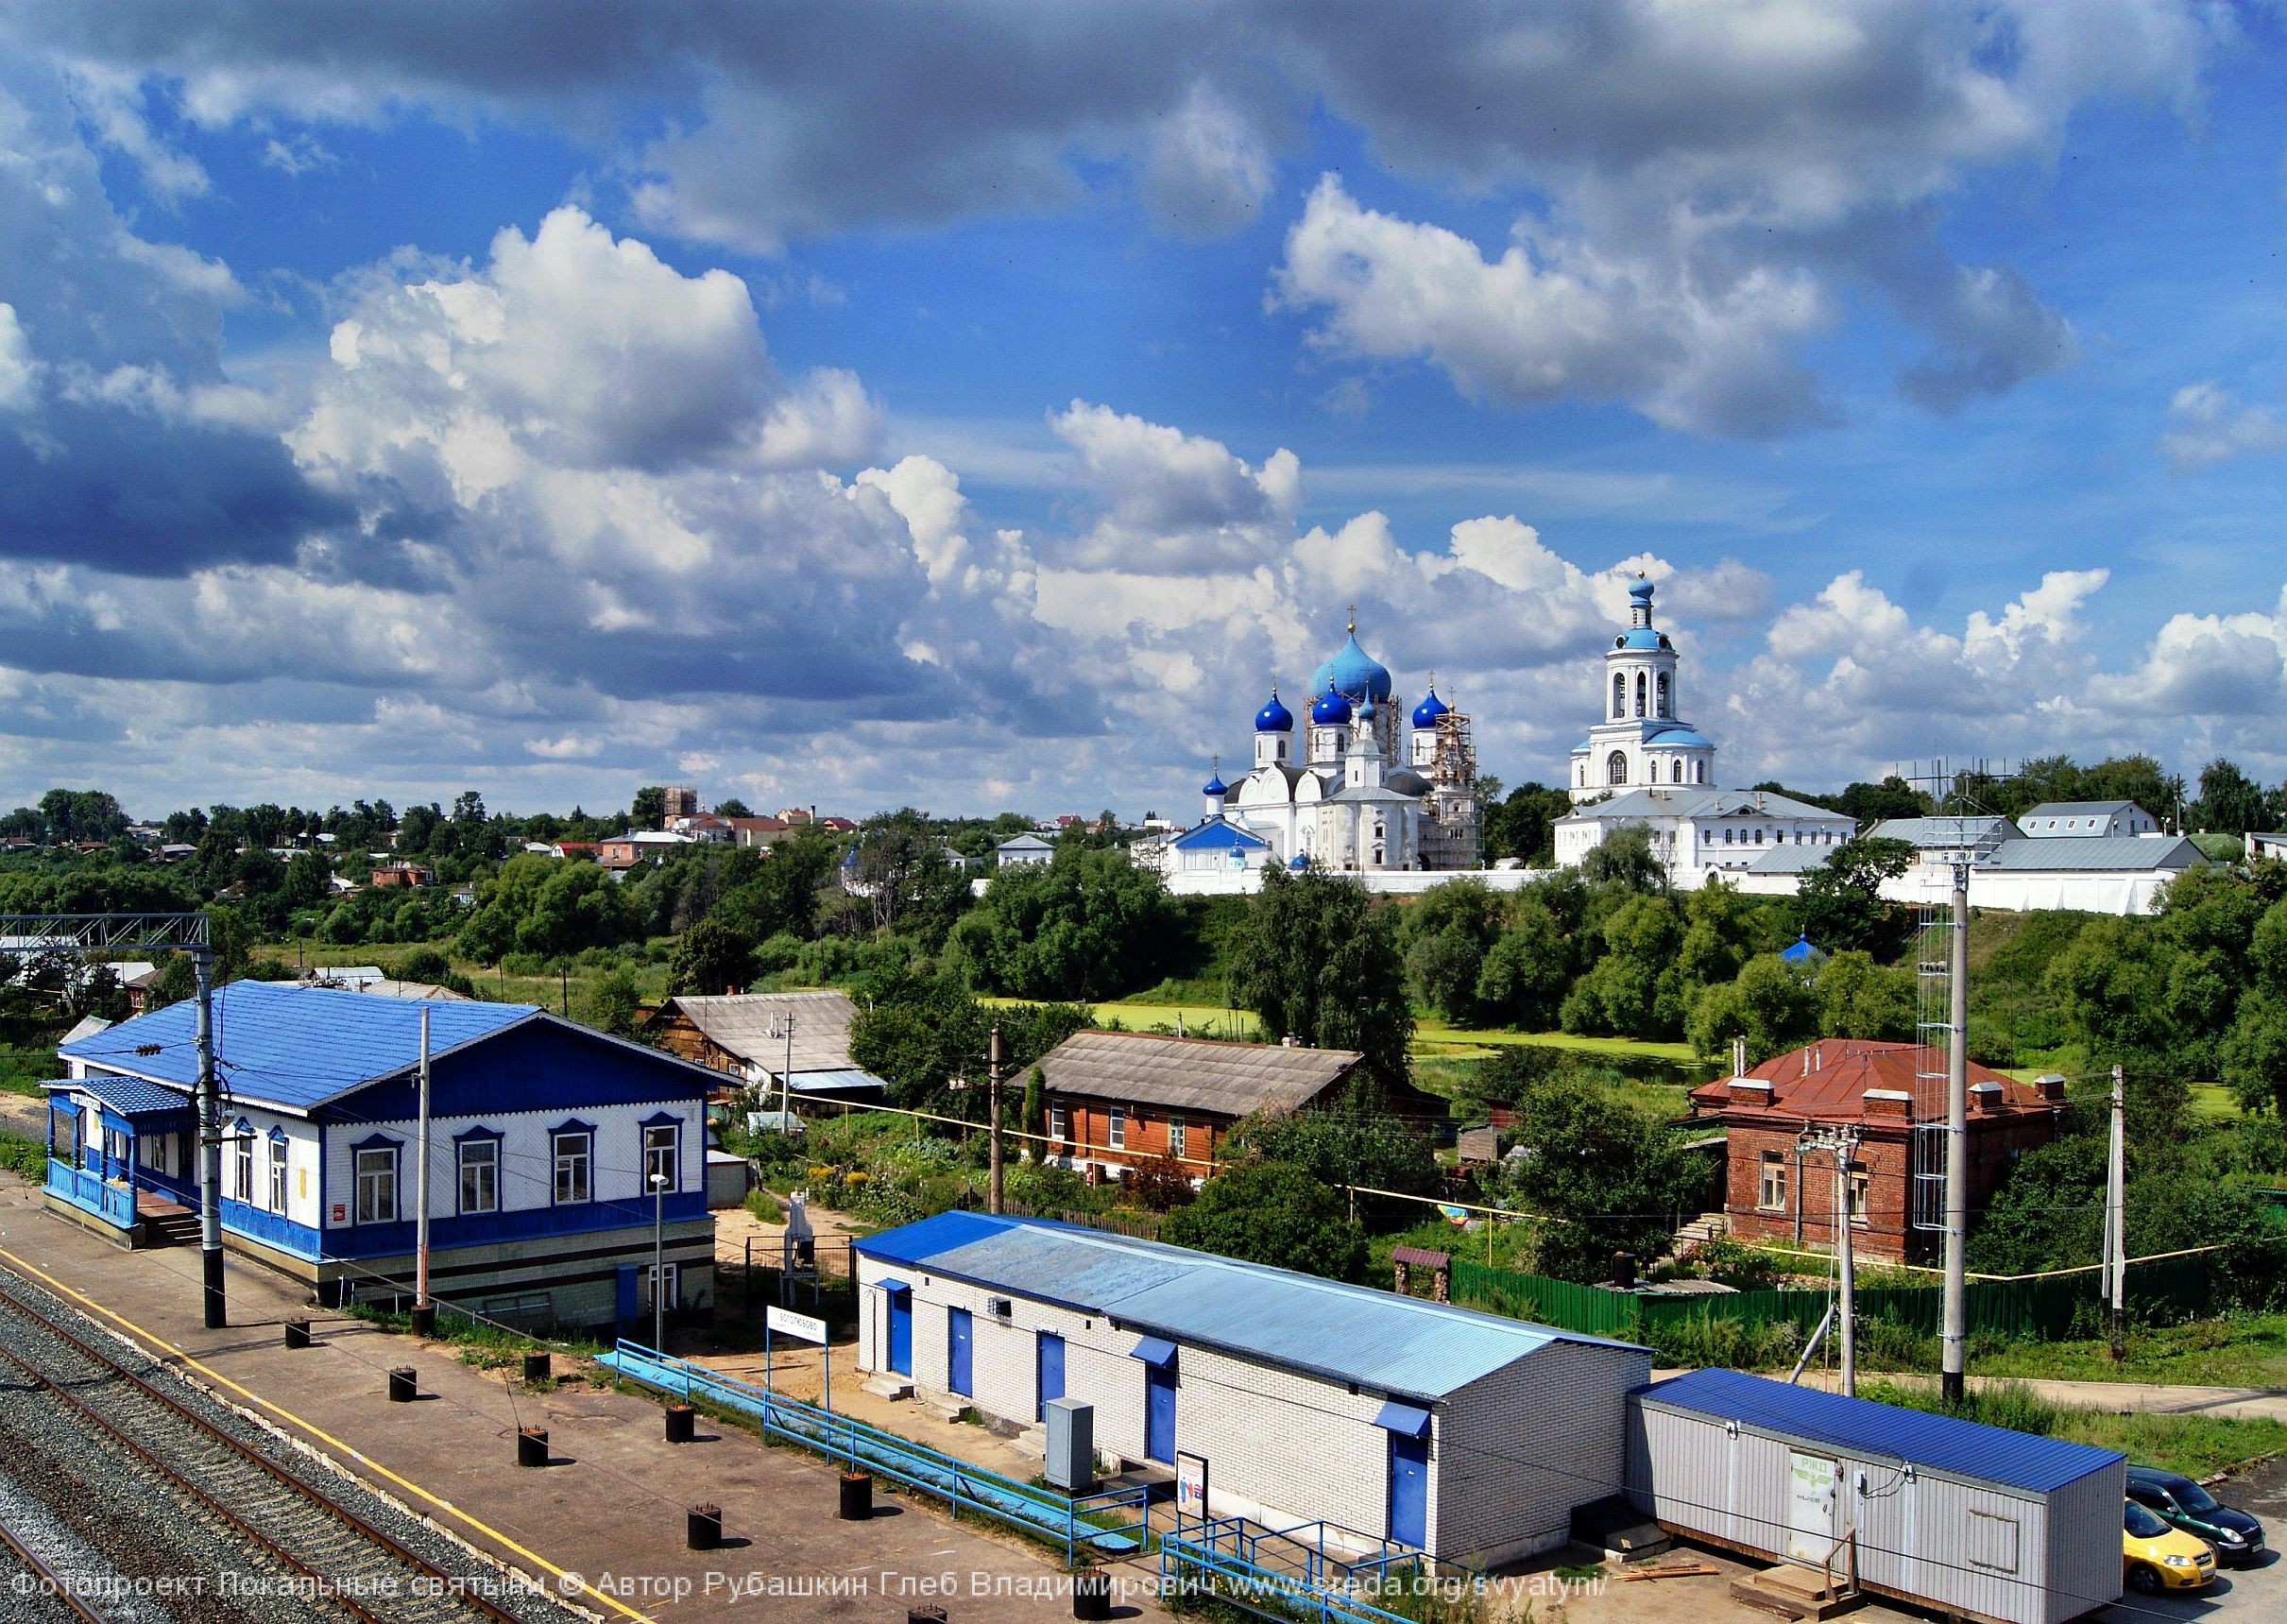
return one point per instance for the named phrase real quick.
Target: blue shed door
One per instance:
(1409, 1488)
(958, 1357)
(1048, 1361)
(1159, 1412)
(901, 1332)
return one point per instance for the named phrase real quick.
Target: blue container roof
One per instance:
(1884, 1431)
(1397, 1345)
(293, 1045)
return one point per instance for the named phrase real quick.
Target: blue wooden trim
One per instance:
(479, 1131)
(373, 1142)
(675, 1158)
(112, 1203)
(461, 1143)
(573, 1125)
(660, 1120)
(397, 1180)
(272, 1229)
(517, 1224)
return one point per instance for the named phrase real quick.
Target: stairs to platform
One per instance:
(1700, 1231)
(1795, 1592)
(167, 1223)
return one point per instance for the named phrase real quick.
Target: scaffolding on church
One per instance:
(1449, 828)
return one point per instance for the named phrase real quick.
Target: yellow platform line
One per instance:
(323, 1436)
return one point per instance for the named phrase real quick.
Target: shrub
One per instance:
(1160, 1184)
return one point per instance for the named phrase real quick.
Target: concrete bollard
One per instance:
(681, 1424)
(703, 1527)
(403, 1385)
(298, 1331)
(1091, 1593)
(531, 1446)
(537, 1369)
(857, 1502)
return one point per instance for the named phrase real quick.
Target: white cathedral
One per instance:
(1359, 792)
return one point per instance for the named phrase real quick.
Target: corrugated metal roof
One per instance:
(1193, 1073)
(2080, 809)
(801, 1082)
(742, 1022)
(1885, 1431)
(1402, 1346)
(276, 1043)
(1694, 801)
(2097, 853)
(1945, 833)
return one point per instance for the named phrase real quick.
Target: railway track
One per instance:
(330, 1556)
(55, 1589)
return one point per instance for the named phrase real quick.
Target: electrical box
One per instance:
(1071, 1462)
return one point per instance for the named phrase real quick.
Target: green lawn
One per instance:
(1453, 1040)
(2213, 1102)
(1198, 1019)
(22, 1071)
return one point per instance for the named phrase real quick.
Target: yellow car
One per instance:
(2156, 1557)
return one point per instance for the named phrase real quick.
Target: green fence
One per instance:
(2045, 1309)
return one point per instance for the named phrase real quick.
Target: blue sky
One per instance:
(980, 405)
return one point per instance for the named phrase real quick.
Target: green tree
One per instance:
(1316, 960)
(2255, 1050)
(1839, 905)
(733, 807)
(1087, 924)
(1446, 936)
(1354, 1141)
(650, 807)
(2206, 923)
(710, 958)
(612, 1001)
(2140, 779)
(1858, 998)
(308, 879)
(2113, 978)
(919, 1035)
(1634, 989)
(1613, 1179)
(1769, 1004)
(1625, 858)
(1529, 969)
(1273, 1213)
(1522, 826)
(1036, 1103)
(1871, 804)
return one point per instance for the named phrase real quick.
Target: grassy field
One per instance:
(550, 991)
(22, 1071)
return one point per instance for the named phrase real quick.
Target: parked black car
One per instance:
(2237, 1537)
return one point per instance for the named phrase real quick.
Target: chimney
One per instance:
(1984, 1098)
(2052, 1086)
(1886, 1104)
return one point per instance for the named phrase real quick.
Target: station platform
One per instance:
(602, 1523)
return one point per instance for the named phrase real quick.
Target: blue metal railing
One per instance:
(1112, 1523)
(1228, 1558)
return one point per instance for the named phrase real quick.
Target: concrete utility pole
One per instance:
(424, 1313)
(1953, 1330)
(658, 1263)
(2116, 1208)
(992, 1094)
(209, 1142)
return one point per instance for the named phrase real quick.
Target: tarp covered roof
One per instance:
(1403, 1347)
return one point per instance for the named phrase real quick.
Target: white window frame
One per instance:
(1861, 1183)
(663, 1157)
(278, 1175)
(1771, 1174)
(1060, 1120)
(488, 1165)
(374, 1170)
(1177, 1136)
(564, 1159)
(242, 1166)
(673, 1276)
(1116, 1129)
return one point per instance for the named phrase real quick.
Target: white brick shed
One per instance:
(1468, 1435)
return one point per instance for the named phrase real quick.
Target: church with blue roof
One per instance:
(1356, 783)
(551, 1151)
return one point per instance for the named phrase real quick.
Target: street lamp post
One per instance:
(658, 1262)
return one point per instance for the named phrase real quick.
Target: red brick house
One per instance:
(1118, 1097)
(1776, 1190)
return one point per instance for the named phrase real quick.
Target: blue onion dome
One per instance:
(1330, 709)
(1298, 864)
(1353, 673)
(1641, 588)
(1215, 786)
(1274, 717)
(1425, 714)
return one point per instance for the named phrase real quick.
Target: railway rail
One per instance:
(55, 1587)
(335, 1556)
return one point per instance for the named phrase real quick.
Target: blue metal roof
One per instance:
(131, 1097)
(1885, 1431)
(1216, 833)
(293, 1045)
(1397, 1345)
(806, 1082)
